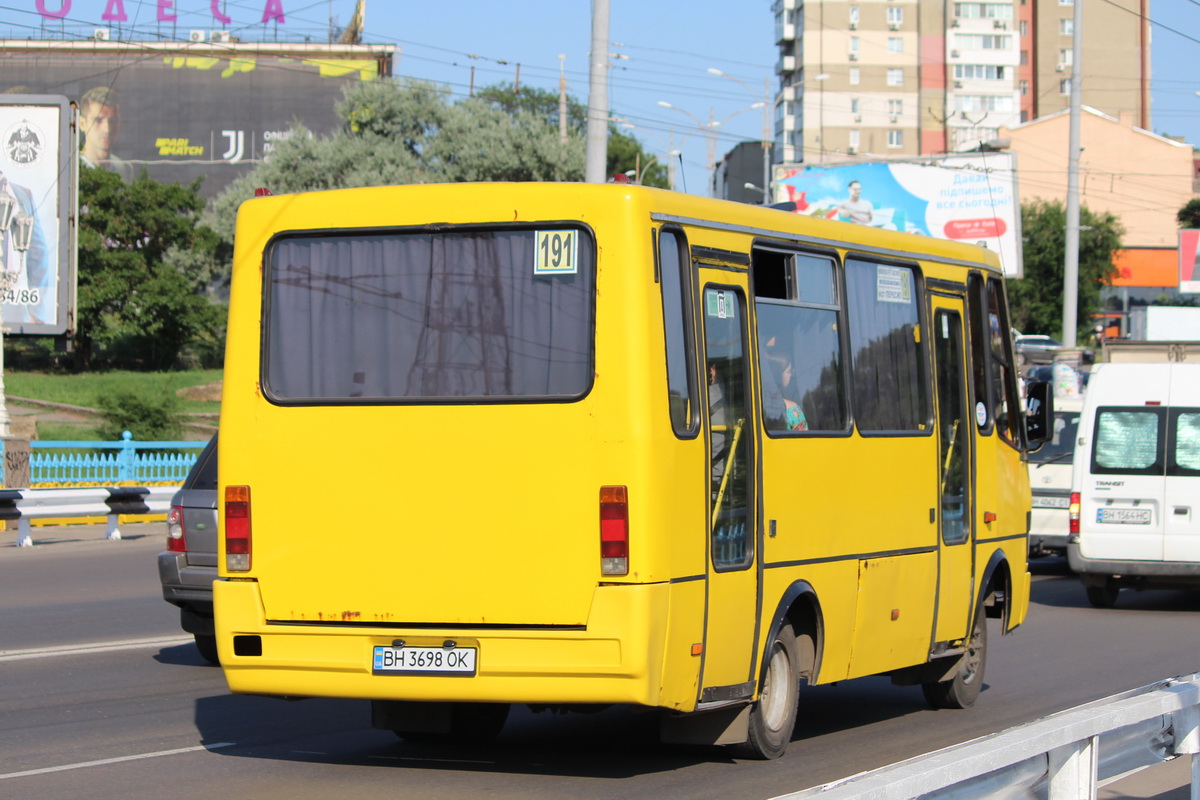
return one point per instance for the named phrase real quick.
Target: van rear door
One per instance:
(1121, 512)
(1181, 520)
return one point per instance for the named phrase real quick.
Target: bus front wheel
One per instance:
(962, 689)
(773, 716)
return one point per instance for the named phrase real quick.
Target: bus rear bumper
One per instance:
(616, 658)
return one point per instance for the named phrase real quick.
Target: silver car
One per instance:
(189, 566)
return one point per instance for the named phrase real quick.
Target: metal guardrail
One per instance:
(111, 502)
(1061, 757)
(58, 463)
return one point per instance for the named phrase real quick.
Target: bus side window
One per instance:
(1004, 384)
(677, 328)
(891, 384)
(799, 349)
(979, 342)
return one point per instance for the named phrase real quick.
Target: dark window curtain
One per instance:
(425, 316)
(889, 384)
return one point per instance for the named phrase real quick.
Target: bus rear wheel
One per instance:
(962, 689)
(773, 716)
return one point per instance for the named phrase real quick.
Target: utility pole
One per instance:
(597, 124)
(767, 139)
(1070, 317)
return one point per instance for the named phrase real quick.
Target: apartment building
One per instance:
(904, 78)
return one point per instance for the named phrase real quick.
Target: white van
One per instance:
(1135, 490)
(1050, 480)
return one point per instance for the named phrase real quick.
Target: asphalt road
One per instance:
(142, 716)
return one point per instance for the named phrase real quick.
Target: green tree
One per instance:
(625, 153)
(401, 132)
(1189, 216)
(143, 260)
(1037, 298)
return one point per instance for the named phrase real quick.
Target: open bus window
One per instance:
(460, 315)
(799, 349)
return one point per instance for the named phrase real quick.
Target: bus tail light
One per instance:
(614, 530)
(176, 535)
(237, 528)
(1074, 513)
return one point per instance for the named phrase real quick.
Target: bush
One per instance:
(148, 418)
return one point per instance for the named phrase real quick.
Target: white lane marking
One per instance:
(85, 764)
(92, 647)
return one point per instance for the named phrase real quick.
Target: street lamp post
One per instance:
(766, 134)
(672, 152)
(710, 130)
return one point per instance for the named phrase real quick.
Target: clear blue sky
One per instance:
(664, 49)
(669, 47)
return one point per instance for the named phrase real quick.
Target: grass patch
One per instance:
(86, 389)
(67, 432)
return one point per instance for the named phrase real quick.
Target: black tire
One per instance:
(1103, 596)
(962, 690)
(773, 715)
(207, 645)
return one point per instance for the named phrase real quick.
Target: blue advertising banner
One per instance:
(970, 198)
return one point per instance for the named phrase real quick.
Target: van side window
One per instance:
(1004, 386)
(677, 328)
(891, 387)
(799, 350)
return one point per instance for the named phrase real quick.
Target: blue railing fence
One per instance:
(67, 463)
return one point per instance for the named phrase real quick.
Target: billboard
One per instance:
(185, 112)
(1189, 261)
(37, 279)
(971, 198)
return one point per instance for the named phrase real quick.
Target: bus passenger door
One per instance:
(956, 431)
(730, 627)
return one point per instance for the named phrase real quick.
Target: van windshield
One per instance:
(446, 316)
(1062, 446)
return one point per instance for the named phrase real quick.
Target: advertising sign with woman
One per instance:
(971, 198)
(34, 188)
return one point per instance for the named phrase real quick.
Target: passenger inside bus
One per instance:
(780, 400)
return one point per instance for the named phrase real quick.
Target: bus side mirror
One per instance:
(1039, 413)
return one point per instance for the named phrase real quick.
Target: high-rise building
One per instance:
(903, 78)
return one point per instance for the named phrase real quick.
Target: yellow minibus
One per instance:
(576, 445)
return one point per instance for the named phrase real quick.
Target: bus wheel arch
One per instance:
(791, 657)
(800, 607)
(996, 588)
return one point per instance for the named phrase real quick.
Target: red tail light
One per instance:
(237, 528)
(614, 530)
(176, 536)
(1074, 513)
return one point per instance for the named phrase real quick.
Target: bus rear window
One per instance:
(457, 316)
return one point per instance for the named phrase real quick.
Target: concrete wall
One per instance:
(1142, 178)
